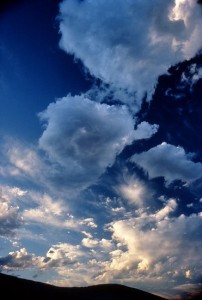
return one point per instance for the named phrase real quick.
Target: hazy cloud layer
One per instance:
(129, 50)
(82, 138)
(168, 161)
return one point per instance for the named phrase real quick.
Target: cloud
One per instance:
(82, 138)
(103, 244)
(10, 217)
(49, 211)
(89, 222)
(134, 191)
(158, 250)
(24, 163)
(62, 254)
(190, 289)
(166, 210)
(191, 77)
(168, 161)
(19, 260)
(145, 130)
(148, 248)
(130, 50)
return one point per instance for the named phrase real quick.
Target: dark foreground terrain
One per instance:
(16, 288)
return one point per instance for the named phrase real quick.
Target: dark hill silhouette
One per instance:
(17, 288)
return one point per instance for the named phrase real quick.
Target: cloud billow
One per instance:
(82, 138)
(129, 50)
(168, 161)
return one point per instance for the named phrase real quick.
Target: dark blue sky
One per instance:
(34, 71)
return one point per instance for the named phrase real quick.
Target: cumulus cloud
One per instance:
(155, 248)
(19, 260)
(82, 138)
(62, 254)
(103, 244)
(168, 161)
(130, 50)
(150, 247)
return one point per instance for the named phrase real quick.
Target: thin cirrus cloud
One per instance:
(130, 50)
(168, 161)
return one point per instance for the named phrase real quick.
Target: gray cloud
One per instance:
(82, 138)
(10, 218)
(18, 260)
(129, 50)
(168, 161)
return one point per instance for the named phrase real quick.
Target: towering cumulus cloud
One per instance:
(128, 44)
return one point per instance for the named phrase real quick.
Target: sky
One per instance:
(100, 143)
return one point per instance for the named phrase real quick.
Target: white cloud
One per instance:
(50, 212)
(150, 248)
(19, 260)
(134, 191)
(10, 193)
(104, 244)
(168, 161)
(24, 159)
(89, 222)
(166, 210)
(82, 138)
(24, 163)
(89, 242)
(145, 130)
(130, 50)
(62, 254)
(155, 249)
